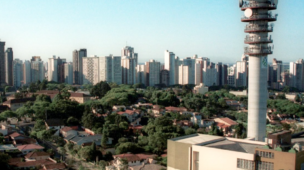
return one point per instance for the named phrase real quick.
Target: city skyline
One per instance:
(183, 28)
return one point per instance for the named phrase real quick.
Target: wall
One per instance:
(178, 154)
(218, 159)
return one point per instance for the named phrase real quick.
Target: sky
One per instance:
(208, 28)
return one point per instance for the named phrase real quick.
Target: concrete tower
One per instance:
(258, 15)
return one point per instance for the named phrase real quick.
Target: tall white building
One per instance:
(171, 66)
(90, 70)
(183, 75)
(231, 75)
(110, 69)
(129, 61)
(152, 73)
(190, 62)
(241, 74)
(53, 69)
(18, 72)
(68, 73)
(296, 71)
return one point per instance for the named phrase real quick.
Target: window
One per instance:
(265, 154)
(264, 165)
(245, 164)
(196, 160)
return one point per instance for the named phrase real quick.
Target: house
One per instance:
(132, 159)
(196, 119)
(144, 105)
(180, 110)
(118, 107)
(56, 124)
(272, 118)
(33, 164)
(200, 89)
(80, 97)
(17, 135)
(25, 149)
(288, 116)
(36, 156)
(207, 123)
(25, 141)
(8, 148)
(5, 130)
(15, 104)
(131, 115)
(226, 125)
(234, 104)
(58, 166)
(183, 123)
(65, 131)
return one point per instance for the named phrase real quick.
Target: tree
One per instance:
(297, 98)
(4, 161)
(190, 131)
(7, 88)
(105, 135)
(100, 89)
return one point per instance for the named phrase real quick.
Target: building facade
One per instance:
(2, 62)
(129, 61)
(77, 65)
(152, 73)
(9, 58)
(17, 72)
(110, 69)
(68, 73)
(90, 70)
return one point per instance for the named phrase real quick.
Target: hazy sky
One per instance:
(208, 28)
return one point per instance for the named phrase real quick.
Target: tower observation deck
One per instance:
(258, 15)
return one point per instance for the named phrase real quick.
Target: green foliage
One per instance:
(286, 106)
(72, 121)
(164, 98)
(100, 89)
(240, 116)
(4, 161)
(128, 147)
(8, 114)
(119, 96)
(190, 131)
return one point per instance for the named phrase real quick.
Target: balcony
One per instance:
(257, 51)
(254, 5)
(257, 39)
(259, 18)
(258, 28)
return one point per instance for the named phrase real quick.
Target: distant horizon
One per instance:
(207, 28)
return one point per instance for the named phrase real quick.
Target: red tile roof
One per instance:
(55, 166)
(35, 154)
(134, 157)
(66, 129)
(29, 147)
(16, 134)
(176, 109)
(228, 121)
(129, 112)
(34, 163)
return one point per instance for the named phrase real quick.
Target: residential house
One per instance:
(25, 149)
(33, 164)
(5, 130)
(25, 141)
(119, 108)
(183, 123)
(15, 104)
(8, 148)
(36, 156)
(196, 119)
(234, 104)
(133, 160)
(66, 131)
(58, 166)
(180, 110)
(131, 115)
(156, 110)
(207, 123)
(226, 125)
(273, 118)
(80, 97)
(56, 124)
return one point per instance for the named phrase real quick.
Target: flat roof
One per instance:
(198, 139)
(235, 146)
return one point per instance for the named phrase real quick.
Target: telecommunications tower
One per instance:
(258, 15)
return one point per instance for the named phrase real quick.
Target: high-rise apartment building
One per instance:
(37, 70)
(164, 77)
(18, 72)
(275, 74)
(27, 73)
(152, 73)
(8, 63)
(56, 69)
(210, 75)
(77, 65)
(141, 74)
(231, 75)
(171, 67)
(129, 63)
(190, 62)
(296, 71)
(68, 73)
(183, 75)
(110, 69)
(90, 70)
(222, 74)
(241, 74)
(2, 62)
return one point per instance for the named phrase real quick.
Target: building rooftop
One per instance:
(198, 139)
(7, 147)
(235, 146)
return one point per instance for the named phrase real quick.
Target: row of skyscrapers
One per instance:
(125, 69)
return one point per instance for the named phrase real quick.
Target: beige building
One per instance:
(201, 89)
(200, 152)
(15, 104)
(90, 70)
(183, 78)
